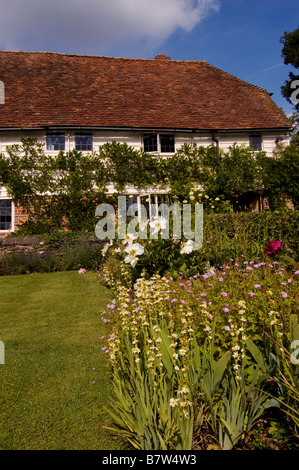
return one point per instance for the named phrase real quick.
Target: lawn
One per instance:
(55, 381)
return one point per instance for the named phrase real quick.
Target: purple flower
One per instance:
(224, 294)
(182, 301)
(252, 294)
(284, 294)
(227, 328)
(256, 286)
(206, 276)
(203, 295)
(173, 300)
(226, 310)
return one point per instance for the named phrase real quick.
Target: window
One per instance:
(5, 215)
(163, 143)
(55, 140)
(83, 141)
(255, 142)
(150, 143)
(167, 143)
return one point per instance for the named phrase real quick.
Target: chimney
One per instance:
(162, 57)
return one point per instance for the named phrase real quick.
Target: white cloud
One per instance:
(86, 26)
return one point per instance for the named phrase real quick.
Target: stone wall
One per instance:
(21, 245)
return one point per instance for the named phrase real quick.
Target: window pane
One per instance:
(150, 143)
(83, 141)
(167, 143)
(5, 215)
(55, 140)
(255, 142)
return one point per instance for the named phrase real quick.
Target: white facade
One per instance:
(133, 138)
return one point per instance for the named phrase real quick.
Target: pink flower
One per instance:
(82, 271)
(252, 294)
(284, 294)
(226, 310)
(224, 294)
(256, 286)
(273, 247)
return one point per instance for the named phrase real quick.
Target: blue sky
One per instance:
(241, 37)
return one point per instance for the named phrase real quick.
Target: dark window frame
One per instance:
(150, 142)
(6, 215)
(255, 142)
(167, 143)
(55, 140)
(156, 142)
(83, 141)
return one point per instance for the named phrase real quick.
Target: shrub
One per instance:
(225, 236)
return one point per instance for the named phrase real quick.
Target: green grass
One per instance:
(51, 327)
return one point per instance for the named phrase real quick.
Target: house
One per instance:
(73, 101)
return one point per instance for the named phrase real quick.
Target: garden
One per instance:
(200, 344)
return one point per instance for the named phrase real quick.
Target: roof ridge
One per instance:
(73, 54)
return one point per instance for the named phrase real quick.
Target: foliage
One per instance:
(62, 251)
(225, 236)
(290, 42)
(64, 191)
(192, 357)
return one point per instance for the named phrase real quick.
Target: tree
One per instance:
(290, 54)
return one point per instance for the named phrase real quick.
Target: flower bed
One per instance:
(196, 361)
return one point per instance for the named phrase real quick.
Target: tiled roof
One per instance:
(52, 89)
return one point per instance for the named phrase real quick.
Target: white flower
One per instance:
(133, 250)
(104, 250)
(158, 224)
(173, 402)
(143, 225)
(129, 238)
(187, 247)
